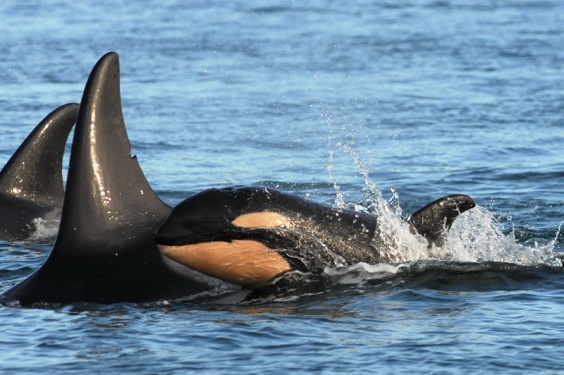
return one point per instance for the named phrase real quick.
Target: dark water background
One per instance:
(321, 99)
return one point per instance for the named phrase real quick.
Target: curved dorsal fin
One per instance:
(435, 219)
(34, 172)
(106, 251)
(108, 199)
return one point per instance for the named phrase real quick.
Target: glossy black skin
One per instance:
(105, 251)
(319, 235)
(31, 182)
(435, 219)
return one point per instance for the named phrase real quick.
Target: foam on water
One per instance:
(362, 272)
(475, 237)
(46, 227)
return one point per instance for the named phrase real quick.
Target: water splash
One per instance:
(339, 197)
(475, 237)
(46, 227)
(394, 199)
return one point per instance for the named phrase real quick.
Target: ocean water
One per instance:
(336, 102)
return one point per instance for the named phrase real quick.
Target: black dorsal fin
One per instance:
(34, 172)
(435, 219)
(105, 250)
(108, 197)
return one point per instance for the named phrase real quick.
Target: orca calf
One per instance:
(105, 251)
(249, 236)
(31, 182)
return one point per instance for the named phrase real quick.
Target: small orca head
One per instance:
(250, 235)
(31, 183)
(211, 232)
(105, 250)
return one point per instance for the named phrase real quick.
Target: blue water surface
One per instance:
(318, 99)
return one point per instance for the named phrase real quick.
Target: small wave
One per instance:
(362, 272)
(449, 275)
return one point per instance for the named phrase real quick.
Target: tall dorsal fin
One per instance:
(108, 198)
(34, 172)
(435, 219)
(105, 250)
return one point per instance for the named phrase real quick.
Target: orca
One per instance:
(31, 182)
(250, 236)
(105, 251)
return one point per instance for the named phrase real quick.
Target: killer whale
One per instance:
(105, 250)
(249, 236)
(31, 182)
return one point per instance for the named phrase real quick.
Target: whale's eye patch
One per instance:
(261, 220)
